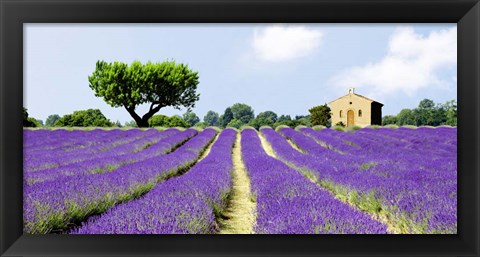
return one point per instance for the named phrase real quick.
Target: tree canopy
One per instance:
(226, 117)
(160, 120)
(242, 112)
(30, 121)
(51, 119)
(320, 115)
(191, 118)
(211, 118)
(267, 118)
(157, 84)
(84, 118)
(427, 113)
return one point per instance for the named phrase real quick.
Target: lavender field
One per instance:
(285, 181)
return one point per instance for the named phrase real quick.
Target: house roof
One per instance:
(366, 98)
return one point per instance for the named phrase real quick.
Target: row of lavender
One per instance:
(287, 203)
(378, 171)
(408, 175)
(185, 204)
(62, 201)
(62, 147)
(106, 161)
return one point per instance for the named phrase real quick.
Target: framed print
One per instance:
(223, 128)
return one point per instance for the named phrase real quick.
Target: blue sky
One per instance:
(285, 68)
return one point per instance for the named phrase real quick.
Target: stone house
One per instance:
(356, 110)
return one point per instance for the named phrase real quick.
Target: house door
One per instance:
(350, 118)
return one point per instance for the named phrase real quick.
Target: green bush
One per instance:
(159, 120)
(84, 118)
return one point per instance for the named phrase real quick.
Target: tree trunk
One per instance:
(142, 122)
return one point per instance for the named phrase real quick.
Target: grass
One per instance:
(239, 216)
(367, 165)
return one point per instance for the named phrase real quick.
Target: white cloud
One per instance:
(412, 62)
(279, 43)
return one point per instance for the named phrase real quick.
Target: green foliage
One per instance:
(451, 112)
(267, 118)
(406, 117)
(50, 121)
(159, 120)
(159, 84)
(118, 124)
(190, 118)
(131, 124)
(226, 117)
(242, 112)
(201, 124)
(426, 114)
(320, 115)
(283, 118)
(339, 128)
(235, 124)
(84, 118)
(177, 121)
(292, 123)
(212, 118)
(340, 123)
(318, 127)
(29, 121)
(268, 115)
(389, 119)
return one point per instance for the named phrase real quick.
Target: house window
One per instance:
(359, 113)
(340, 114)
(350, 102)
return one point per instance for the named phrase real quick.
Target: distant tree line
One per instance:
(236, 116)
(240, 114)
(426, 114)
(82, 118)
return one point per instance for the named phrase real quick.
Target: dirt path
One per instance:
(239, 218)
(209, 147)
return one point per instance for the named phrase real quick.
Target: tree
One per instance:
(268, 115)
(424, 113)
(211, 118)
(84, 118)
(131, 124)
(158, 84)
(284, 118)
(226, 117)
(235, 123)
(319, 115)
(242, 112)
(267, 118)
(190, 118)
(201, 124)
(451, 112)
(177, 121)
(159, 120)
(389, 119)
(50, 121)
(29, 121)
(299, 117)
(406, 117)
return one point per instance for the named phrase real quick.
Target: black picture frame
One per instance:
(13, 13)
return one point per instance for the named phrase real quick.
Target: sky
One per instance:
(285, 68)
